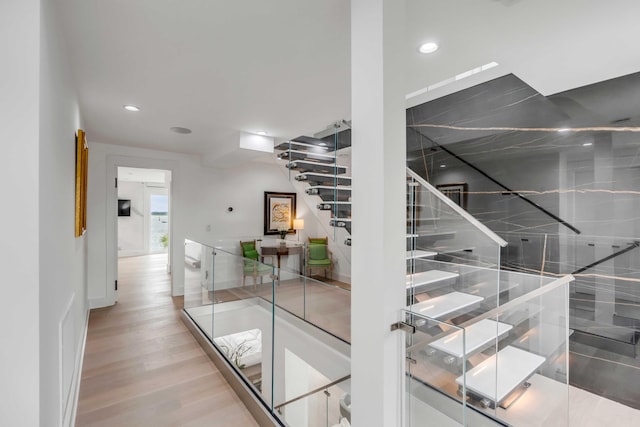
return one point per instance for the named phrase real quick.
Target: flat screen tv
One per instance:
(124, 207)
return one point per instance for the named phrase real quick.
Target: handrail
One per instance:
(464, 214)
(608, 257)
(314, 391)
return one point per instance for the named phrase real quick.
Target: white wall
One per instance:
(131, 228)
(43, 264)
(200, 197)
(19, 317)
(63, 299)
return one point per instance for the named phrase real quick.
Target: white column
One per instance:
(379, 230)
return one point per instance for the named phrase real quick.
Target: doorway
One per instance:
(143, 217)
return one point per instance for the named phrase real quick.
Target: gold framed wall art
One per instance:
(82, 164)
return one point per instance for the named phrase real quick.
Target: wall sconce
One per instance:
(298, 224)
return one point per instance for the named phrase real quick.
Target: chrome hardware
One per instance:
(449, 360)
(486, 403)
(403, 326)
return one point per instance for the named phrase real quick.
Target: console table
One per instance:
(280, 251)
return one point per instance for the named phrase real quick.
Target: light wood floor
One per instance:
(142, 367)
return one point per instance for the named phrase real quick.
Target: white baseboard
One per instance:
(70, 419)
(99, 302)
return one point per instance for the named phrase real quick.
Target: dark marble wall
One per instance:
(588, 178)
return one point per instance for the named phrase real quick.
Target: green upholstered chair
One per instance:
(252, 265)
(319, 256)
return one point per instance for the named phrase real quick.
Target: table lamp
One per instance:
(298, 224)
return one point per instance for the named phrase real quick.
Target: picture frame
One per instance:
(457, 192)
(279, 210)
(82, 166)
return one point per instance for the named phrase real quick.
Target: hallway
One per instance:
(142, 367)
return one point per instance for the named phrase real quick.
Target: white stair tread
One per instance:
(329, 187)
(421, 254)
(326, 175)
(334, 203)
(286, 145)
(429, 277)
(513, 366)
(309, 162)
(476, 337)
(445, 304)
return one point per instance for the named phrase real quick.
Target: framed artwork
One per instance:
(457, 192)
(82, 165)
(279, 212)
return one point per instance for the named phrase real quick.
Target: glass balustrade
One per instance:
(438, 227)
(285, 333)
(508, 362)
(605, 293)
(488, 342)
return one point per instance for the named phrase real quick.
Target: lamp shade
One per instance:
(298, 224)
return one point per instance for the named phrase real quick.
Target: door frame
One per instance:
(111, 226)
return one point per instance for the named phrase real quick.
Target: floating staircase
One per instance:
(315, 160)
(456, 293)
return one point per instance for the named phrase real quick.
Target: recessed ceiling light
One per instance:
(131, 108)
(181, 130)
(586, 144)
(443, 166)
(428, 47)
(261, 132)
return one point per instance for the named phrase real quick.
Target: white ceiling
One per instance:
(222, 67)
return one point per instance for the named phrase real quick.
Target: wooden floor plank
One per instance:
(142, 367)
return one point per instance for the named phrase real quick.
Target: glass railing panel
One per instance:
(436, 354)
(326, 406)
(458, 292)
(506, 362)
(527, 367)
(326, 306)
(439, 227)
(311, 329)
(198, 278)
(286, 333)
(604, 296)
(242, 318)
